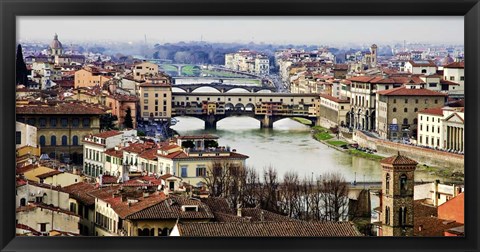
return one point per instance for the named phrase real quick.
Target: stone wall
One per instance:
(421, 155)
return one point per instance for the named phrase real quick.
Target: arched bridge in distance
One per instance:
(265, 107)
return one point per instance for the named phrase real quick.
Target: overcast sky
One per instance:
(278, 30)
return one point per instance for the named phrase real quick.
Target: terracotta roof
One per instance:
(422, 209)
(32, 206)
(171, 208)
(28, 228)
(442, 81)
(264, 229)
(224, 217)
(255, 214)
(124, 209)
(68, 108)
(432, 226)
(79, 191)
(139, 147)
(428, 63)
(22, 170)
(432, 111)
(364, 79)
(335, 99)
(398, 160)
(455, 65)
(149, 154)
(108, 179)
(217, 204)
(48, 174)
(124, 98)
(114, 153)
(233, 155)
(107, 134)
(403, 91)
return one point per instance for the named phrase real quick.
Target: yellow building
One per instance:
(61, 125)
(145, 70)
(91, 76)
(156, 99)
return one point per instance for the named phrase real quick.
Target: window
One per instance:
(452, 78)
(462, 78)
(424, 70)
(31, 121)
(53, 122)
(387, 183)
(145, 95)
(183, 172)
(75, 140)
(145, 107)
(43, 227)
(405, 110)
(387, 215)
(42, 122)
(403, 184)
(415, 121)
(201, 171)
(53, 140)
(432, 84)
(164, 95)
(406, 100)
(64, 122)
(436, 101)
(18, 137)
(394, 100)
(415, 110)
(75, 122)
(405, 121)
(394, 109)
(42, 141)
(86, 122)
(64, 140)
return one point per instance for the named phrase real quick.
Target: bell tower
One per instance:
(373, 51)
(397, 196)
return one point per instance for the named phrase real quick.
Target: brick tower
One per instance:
(397, 196)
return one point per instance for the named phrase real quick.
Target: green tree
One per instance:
(107, 121)
(128, 123)
(21, 68)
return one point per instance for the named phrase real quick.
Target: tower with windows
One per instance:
(397, 196)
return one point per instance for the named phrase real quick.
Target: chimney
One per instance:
(435, 192)
(239, 212)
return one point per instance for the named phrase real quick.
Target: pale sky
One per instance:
(278, 30)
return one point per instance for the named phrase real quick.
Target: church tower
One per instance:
(397, 196)
(373, 51)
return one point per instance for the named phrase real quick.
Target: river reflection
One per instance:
(287, 147)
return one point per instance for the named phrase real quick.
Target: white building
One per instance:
(442, 128)
(455, 72)
(25, 135)
(421, 67)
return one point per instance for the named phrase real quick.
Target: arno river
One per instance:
(289, 146)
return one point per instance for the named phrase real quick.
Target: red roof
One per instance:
(398, 160)
(149, 154)
(455, 65)
(335, 99)
(403, 91)
(432, 111)
(49, 174)
(428, 63)
(114, 153)
(62, 108)
(442, 81)
(107, 134)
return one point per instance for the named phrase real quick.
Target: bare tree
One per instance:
(334, 190)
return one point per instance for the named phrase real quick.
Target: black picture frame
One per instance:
(470, 9)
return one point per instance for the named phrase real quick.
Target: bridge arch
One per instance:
(178, 90)
(205, 89)
(264, 91)
(238, 90)
(240, 106)
(229, 106)
(250, 107)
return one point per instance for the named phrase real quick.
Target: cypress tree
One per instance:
(21, 68)
(128, 119)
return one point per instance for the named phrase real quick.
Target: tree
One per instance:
(21, 69)
(128, 122)
(334, 191)
(106, 121)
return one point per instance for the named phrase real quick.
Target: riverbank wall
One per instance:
(421, 155)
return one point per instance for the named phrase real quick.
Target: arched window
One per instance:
(64, 140)
(405, 121)
(387, 215)
(403, 184)
(23, 202)
(42, 141)
(75, 140)
(53, 140)
(394, 109)
(424, 70)
(402, 216)
(415, 121)
(405, 110)
(387, 183)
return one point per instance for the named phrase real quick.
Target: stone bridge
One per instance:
(222, 88)
(265, 107)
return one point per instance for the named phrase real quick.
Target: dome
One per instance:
(447, 60)
(55, 43)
